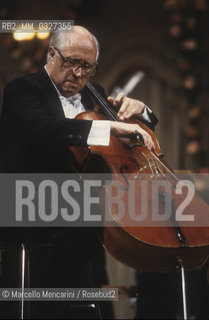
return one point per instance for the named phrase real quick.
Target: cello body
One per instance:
(149, 246)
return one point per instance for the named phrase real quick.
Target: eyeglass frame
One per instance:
(77, 64)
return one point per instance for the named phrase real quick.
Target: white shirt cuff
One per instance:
(99, 134)
(144, 115)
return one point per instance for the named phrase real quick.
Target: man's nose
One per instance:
(78, 70)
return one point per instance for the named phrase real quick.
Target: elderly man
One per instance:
(37, 128)
(36, 121)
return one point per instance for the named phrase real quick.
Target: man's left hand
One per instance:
(128, 107)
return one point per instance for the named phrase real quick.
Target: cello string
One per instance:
(155, 167)
(109, 111)
(112, 114)
(151, 163)
(107, 107)
(164, 166)
(160, 170)
(104, 103)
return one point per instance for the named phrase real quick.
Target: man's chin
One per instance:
(69, 91)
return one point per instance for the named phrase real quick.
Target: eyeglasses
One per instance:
(69, 63)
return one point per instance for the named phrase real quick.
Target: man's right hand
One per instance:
(129, 131)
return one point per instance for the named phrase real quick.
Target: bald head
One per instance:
(79, 35)
(72, 59)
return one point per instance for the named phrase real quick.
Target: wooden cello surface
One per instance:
(147, 245)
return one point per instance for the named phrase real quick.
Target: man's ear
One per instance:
(51, 53)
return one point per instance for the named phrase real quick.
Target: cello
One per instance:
(150, 246)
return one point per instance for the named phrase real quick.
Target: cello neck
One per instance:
(104, 105)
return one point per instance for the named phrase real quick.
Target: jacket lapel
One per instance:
(46, 84)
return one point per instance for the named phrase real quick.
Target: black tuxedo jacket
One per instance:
(34, 137)
(34, 133)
